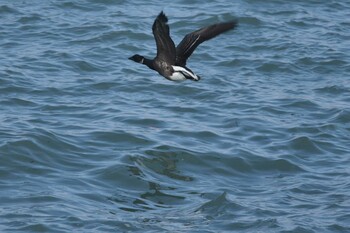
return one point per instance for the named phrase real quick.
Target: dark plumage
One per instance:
(170, 61)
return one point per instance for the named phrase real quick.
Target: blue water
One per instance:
(93, 142)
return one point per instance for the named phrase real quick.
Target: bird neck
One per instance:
(148, 62)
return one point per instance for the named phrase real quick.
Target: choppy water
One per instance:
(92, 142)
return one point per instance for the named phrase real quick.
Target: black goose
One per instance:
(170, 62)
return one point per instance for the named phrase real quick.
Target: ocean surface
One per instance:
(93, 142)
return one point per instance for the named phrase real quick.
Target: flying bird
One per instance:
(170, 61)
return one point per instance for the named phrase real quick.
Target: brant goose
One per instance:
(170, 61)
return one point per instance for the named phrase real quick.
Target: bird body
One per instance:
(170, 61)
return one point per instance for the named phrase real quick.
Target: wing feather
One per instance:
(191, 41)
(166, 50)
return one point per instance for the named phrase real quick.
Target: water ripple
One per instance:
(93, 142)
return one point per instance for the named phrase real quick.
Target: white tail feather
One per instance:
(182, 73)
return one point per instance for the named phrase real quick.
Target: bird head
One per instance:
(137, 58)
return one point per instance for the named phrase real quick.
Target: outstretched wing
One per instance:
(166, 50)
(191, 41)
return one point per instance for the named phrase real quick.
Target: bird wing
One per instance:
(191, 41)
(166, 50)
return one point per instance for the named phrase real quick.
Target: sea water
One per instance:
(93, 142)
